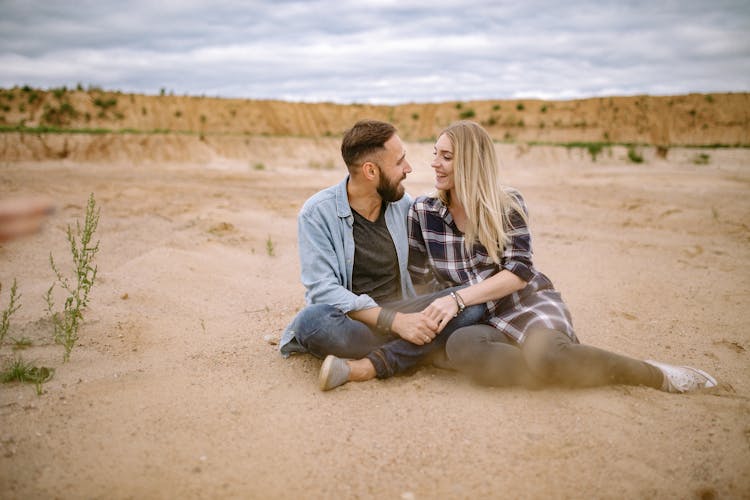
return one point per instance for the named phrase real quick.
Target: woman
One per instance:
(474, 232)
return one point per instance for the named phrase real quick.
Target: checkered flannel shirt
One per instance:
(439, 257)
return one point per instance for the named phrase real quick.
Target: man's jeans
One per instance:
(324, 330)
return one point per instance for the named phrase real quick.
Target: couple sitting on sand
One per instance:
(484, 309)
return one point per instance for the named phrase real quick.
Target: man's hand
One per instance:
(416, 328)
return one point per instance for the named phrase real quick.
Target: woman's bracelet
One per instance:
(459, 303)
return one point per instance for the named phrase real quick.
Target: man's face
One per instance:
(392, 170)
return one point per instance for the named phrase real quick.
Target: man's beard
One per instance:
(389, 191)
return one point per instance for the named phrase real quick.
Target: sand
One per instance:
(176, 389)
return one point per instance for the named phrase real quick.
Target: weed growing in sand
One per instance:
(701, 159)
(22, 343)
(8, 312)
(634, 155)
(269, 247)
(19, 370)
(594, 148)
(67, 322)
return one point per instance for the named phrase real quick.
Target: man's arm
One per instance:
(412, 327)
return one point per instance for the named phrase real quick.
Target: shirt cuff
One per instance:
(521, 270)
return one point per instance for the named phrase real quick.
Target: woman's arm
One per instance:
(516, 270)
(495, 287)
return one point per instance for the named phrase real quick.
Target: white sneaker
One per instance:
(333, 373)
(683, 378)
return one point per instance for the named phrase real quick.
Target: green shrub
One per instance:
(59, 92)
(634, 156)
(105, 104)
(466, 114)
(701, 159)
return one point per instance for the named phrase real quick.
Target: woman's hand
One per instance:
(441, 311)
(416, 328)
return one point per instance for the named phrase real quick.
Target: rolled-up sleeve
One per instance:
(517, 254)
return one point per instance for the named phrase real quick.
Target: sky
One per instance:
(379, 51)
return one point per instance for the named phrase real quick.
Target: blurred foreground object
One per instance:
(22, 216)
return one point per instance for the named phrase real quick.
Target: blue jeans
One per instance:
(324, 330)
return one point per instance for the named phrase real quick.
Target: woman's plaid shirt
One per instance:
(439, 257)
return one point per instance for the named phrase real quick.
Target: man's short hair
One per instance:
(364, 139)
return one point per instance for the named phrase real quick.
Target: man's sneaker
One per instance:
(333, 373)
(683, 378)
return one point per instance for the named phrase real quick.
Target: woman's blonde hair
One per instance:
(487, 204)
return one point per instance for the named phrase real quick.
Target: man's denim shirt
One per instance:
(325, 238)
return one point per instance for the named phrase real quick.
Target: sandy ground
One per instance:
(174, 390)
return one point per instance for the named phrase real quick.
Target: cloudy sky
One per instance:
(380, 51)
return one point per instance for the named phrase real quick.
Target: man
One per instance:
(353, 252)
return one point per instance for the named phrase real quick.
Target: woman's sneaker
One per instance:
(683, 378)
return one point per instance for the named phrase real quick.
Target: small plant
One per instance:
(520, 106)
(466, 114)
(701, 159)
(634, 156)
(105, 104)
(8, 312)
(491, 121)
(259, 166)
(496, 107)
(59, 92)
(270, 247)
(415, 116)
(594, 148)
(543, 109)
(19, 370)
(22, 343)
(67, 322)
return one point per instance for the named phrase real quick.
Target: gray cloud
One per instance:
(379, 50)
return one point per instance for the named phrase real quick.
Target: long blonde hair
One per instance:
(487, 204)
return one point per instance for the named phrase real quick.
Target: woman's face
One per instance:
(442, 162)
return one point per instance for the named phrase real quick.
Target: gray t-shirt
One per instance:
(375, 270)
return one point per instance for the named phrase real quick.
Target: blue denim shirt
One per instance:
(326, 249)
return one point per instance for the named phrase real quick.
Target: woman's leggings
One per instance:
(546, 357)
